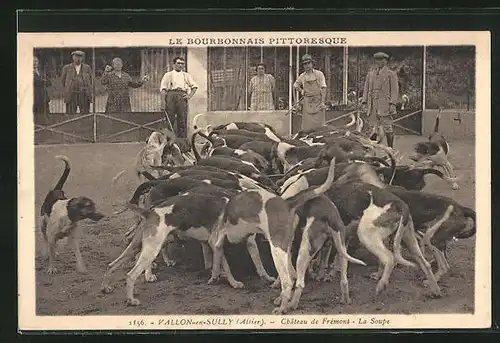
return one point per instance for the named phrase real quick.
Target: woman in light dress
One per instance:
(262, 88)
(118, 84)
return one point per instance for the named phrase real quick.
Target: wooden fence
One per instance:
(96, 128)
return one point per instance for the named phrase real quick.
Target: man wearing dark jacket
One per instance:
(77, 81)
(380, 95)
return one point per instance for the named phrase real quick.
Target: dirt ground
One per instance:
(183, 290)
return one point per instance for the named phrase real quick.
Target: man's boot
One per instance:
(390, 139)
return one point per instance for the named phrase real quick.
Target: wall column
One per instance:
(197, 61)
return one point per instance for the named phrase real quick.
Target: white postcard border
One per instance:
(27, 219)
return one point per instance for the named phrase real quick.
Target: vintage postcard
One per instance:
(254, 181)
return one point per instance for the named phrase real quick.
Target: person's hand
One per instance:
(186, 96)
(392, 109)
(108, 68)
(322, 106)
(145, 78)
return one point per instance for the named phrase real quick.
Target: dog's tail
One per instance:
(116, 178)
(436, 123)
(468, 232)
(142, 189)
(114, 181)
(269, 132)
(393, 162)
(353, 120)
(148, 175)
(65, 174)
(312, 192)
(341, 248)
(197, 156)
(195, 151)
(144, 213)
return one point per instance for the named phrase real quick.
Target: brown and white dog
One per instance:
(434, 153)
(151, 155)
(263, 212)
(60, 216)
(319, 225)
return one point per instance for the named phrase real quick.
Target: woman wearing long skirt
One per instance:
(118, 83)
(261, 89)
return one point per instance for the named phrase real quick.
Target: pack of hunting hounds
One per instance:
(312, 196)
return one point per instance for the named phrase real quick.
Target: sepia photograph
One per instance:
(250, 180)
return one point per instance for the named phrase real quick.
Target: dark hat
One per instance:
(380, 55)
(307, 58)
(78, 53)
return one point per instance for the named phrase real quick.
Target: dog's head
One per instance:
(156, 139)
(423, 150)
(410, 179)
(172, 155)
(83, 208)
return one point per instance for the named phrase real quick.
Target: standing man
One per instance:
(312, 85)
(380, 95)
(177, 87)
(77, 82)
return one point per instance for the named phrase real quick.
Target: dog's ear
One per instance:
(81, 208)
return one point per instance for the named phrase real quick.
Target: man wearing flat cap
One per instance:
(312, 85)
(380, 95)
(77, 82)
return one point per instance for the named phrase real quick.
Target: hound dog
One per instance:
(409, 177)
(245, 155)
(381, 214)
(260, 211)
(151, 155)
(438, 220)
(434, 153)
(320, 224)
(60, 216)
(247, 126)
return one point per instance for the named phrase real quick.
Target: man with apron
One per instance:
(312, 85)
(380, 95)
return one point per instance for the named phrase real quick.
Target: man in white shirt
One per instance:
(177, 87)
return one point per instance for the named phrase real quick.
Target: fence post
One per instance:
(290, 90)
(424, 77)
(345, 74)
(94, 125)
